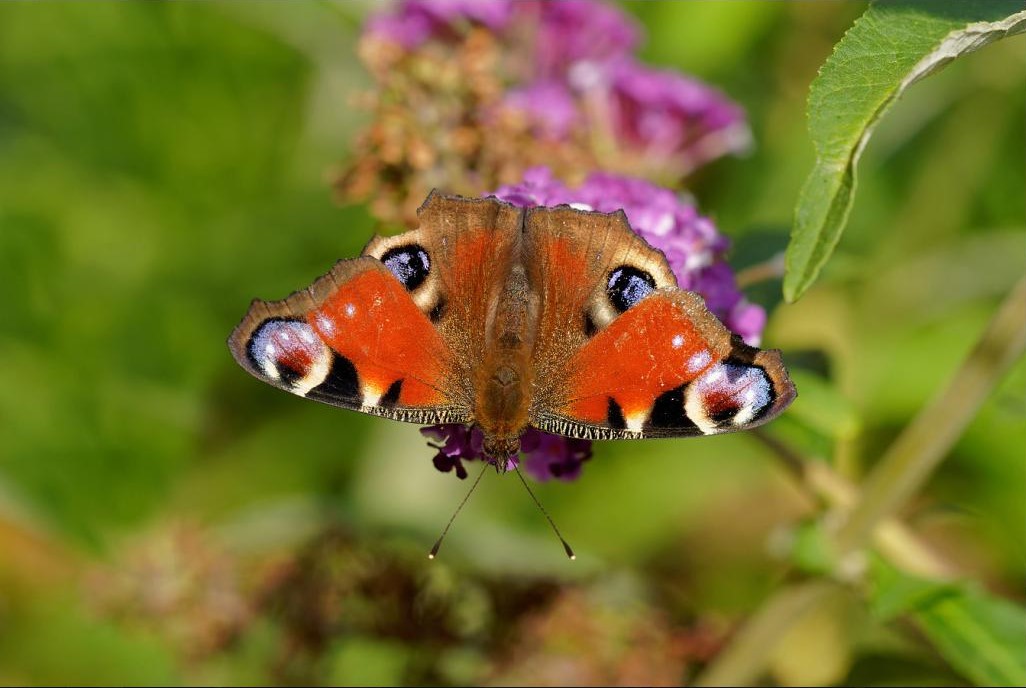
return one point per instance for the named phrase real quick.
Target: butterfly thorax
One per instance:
(504, 381)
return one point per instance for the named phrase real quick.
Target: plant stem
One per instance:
(773, 268)
(741, 662)
(924, 443)
(896, 542)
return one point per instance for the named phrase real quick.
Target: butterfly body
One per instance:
(504, 382)
(507, 318)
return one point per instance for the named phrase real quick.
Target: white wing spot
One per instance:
(678, 341)
(698, 361)
(325, 324)
(350, 310)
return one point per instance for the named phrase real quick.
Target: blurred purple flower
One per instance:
(571, 49)
(577, 34)
(668, 115)
(547, 105)
(412, 22)
(505, 85)
(564, 33)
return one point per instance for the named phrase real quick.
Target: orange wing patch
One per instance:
(645, 352)
(373, 323)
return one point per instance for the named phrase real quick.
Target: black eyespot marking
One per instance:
(258, 339)
(589, 326)
(341, 383)
(390, 398)
(668, 411)
(410, 264)
(628, 285)
(285, 346)
(738, 364)
(614, 415)
(438, 312)
(287, 376)
(723, 414)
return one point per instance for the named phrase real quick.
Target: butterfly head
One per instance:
(501, 450)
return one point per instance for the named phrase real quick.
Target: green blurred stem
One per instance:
(901, 471)
(741, 662)
(896, 542)
(770, 269)
(924, 443)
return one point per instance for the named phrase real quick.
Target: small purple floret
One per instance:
(545, 456)
(551, 456)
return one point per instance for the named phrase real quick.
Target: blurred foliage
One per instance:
(165, 519)
(892, 46)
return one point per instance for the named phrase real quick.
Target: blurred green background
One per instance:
(163, 516)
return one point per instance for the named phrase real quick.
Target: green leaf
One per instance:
(895, 592)
(893, 45)
(981, 636)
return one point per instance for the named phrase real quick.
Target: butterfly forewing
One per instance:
(354, 339)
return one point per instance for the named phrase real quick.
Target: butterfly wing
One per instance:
(382, 333)
(637, 356)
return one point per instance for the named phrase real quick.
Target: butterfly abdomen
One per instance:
(504, 381)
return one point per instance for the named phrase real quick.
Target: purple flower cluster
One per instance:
(545, 456)
(666, 115)
(694, 250)
(571, 67)
(413, 22)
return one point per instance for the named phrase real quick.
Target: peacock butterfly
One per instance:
(505, 318)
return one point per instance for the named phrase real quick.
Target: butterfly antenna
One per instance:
(438, 543)
(566, 545)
